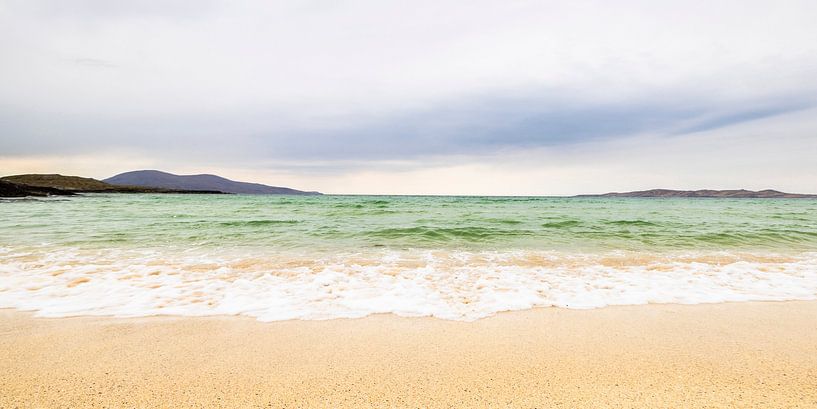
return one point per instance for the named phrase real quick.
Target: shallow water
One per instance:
(463, 258)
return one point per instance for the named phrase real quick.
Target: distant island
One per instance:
(706, 193)
(149, 181)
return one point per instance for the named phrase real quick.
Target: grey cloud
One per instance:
(504, 125)
(463, 127)
(746, 114)
(336, 85)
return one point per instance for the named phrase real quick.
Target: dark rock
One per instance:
(10, 189)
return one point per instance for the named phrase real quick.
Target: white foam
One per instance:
(459, 285)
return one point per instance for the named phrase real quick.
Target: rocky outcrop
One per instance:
(10, 189)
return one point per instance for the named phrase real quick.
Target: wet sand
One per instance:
(719, 355)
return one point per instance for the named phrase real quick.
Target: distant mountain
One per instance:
(737, 194)
(157, 179)
(55, 184)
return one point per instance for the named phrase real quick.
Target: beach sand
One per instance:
(719, 355)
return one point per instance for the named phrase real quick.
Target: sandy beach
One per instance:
(718, 355)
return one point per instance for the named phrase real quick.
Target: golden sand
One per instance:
(723, 355)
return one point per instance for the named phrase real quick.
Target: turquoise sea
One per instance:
(463, 258)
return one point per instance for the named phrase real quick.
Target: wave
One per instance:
(504, 221)
(638, 223)
(263, 222)
(362, 204)
(561, 224)
(437, 234)
(455, 285)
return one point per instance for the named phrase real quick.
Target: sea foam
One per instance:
(448, 284)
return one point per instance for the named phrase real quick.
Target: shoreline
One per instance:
(32, 313)
(658, 355)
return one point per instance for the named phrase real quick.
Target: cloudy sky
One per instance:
(420, 97)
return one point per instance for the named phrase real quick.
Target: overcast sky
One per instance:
(419, 97)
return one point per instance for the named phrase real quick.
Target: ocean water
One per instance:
(459, 258)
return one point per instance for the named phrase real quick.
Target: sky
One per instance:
(421, 97)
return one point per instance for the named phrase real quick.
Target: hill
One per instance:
(706, 193)
(72, 183)
(77, 184)
(158, 179)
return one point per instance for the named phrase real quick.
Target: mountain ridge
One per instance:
(159, 179)
(707, 193)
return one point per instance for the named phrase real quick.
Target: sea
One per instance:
(456, 258)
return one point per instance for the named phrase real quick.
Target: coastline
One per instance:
(758, 354)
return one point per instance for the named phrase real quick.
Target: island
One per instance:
(707, 193)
